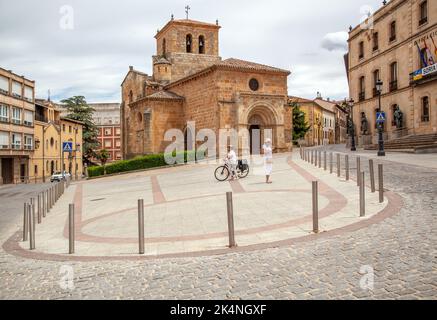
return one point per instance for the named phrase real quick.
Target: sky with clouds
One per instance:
(107, 36)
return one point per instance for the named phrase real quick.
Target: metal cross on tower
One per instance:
(187, 10)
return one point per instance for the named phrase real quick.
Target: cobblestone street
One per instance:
(401, 250)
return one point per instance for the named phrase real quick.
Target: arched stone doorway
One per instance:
(260, 120)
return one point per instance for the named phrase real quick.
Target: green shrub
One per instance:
(138, 163)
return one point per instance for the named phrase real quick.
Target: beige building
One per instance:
(51, 131)
(17, 108)
(392, 46)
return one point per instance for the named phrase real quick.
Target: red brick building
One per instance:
(107, 119)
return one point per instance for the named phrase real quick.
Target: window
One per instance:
(164, 46)
(4, 140)
(28, 118)
(16, 141)
(189, 43)
(117, 131)
(117, 143)
(393, 76)
(376, 77)
(423, 10)
(4, 113)
(28, 93)
(201, 44)
(69, 129)
(16, 115)
(4, 85)
(52, 142)
(375, 41)
(425, 109)
(393, 31)
(16, 89)
(108, 131)
(28, 142)
(36, 169)
(361, 50)
(362, 89)
(108, 144)
(253, 84)
(131, 96)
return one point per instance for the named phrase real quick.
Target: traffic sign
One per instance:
(380, 117)
(67, 146)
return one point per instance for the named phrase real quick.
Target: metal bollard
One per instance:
(141, 226)
(362, 196)
(381, 183)
(30, 212)
(324, 161)
(231, 227)
(330, 162)
(312, 156)
(358, 170)
(372, 176)
(320, 159)
(39, 208)
(316, 161)
(25, 222)
(315, 207)
(346, 162)
(44, 208)
(338, 165)
(71, 229)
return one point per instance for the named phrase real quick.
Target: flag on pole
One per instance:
(435, 47)
(422, 57)
(430, 60)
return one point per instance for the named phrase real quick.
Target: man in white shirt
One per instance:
(233, 161)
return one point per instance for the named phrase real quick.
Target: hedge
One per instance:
(138, 163)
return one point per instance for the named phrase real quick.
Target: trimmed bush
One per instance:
(138, 163)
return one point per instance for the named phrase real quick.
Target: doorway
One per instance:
(23, 172)
(7, 170)
(255, 139)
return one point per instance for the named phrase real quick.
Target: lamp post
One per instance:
(381, 152)
(352, 128)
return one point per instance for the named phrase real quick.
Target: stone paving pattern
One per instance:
(401, 250)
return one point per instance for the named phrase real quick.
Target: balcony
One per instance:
(424, 75)
(4, 119)
(16, 121)
(362, 96)
(425, 118)
(375, 92)
(41, 118)
(28, 147)
(16, 146)
(392, 38)
(393, 85)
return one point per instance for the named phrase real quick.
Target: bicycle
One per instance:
(223, 172)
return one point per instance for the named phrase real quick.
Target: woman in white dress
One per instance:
(268, 159)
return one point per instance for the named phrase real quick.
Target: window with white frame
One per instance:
(16, 115)
(16, 141)
(28, 93)
(4, 85)
(4, 140)
(28, 118)
(17, 89)
(28, 142)
(4, 113)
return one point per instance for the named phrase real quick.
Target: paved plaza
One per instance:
(278, 256)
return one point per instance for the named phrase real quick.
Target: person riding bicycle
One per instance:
(233, 162)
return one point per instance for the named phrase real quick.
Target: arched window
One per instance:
(376, 78)
(393, 76)
(164, 46)
(189, 43)
(425, 109)
(201, 44)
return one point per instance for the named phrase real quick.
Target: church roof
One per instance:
(187, 22)
(164, 94)
(233, 63)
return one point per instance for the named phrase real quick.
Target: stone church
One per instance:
(191, 82)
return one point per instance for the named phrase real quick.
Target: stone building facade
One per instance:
(191, 83)
(387, 47)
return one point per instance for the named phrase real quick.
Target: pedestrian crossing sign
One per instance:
(380, 117)
(67, 146)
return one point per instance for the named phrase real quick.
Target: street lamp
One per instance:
(352, 128)
(381, 152)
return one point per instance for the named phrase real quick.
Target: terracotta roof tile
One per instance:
(165, 95)
(243, 64)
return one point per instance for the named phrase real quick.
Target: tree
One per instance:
(79, 110)
(103, 156)
(300, 126)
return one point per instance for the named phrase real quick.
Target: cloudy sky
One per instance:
(90, 54)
